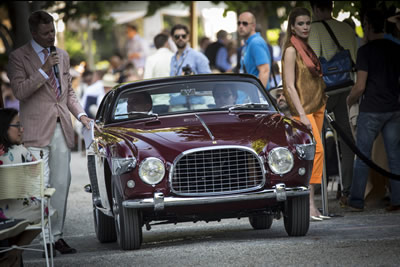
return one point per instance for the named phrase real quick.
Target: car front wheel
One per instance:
(261, 222)
(297, 216)
(127, 223)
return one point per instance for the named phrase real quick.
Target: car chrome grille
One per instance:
(217, 171)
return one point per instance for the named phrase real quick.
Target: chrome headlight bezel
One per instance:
(280, 160)
(122, 165)
(152, 170)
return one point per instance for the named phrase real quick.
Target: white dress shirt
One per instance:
(158, 64)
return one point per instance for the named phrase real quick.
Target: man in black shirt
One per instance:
(217, 53)
(378, 72)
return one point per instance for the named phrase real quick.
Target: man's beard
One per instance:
(181, 46)
(283, 106)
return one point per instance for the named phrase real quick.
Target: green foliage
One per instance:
(73, 46)
(170, 21)
(273, 36)
(105, 43)
(98, 10)
(268, 8)
(347, 6)
(153, 6)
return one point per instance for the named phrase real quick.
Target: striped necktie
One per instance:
(52, 76)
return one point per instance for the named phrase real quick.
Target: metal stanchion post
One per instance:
(338, 159)
(324, 185)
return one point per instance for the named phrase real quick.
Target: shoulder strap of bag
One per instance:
(273, 74)
(332, 35)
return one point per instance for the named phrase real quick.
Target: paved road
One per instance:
(370, 238)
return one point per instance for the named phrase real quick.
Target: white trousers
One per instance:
(57, 174)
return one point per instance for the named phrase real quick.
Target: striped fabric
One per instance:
(52, 76)
(322, 43)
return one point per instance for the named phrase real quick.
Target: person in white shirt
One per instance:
(93, 95)
(158, 64)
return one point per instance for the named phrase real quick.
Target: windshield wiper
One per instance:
(138, 115)
(245, 106)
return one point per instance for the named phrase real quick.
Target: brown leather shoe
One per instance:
(392, 208)
(63, 247)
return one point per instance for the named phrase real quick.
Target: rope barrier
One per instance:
(359, 154)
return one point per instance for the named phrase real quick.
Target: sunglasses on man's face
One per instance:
(177, 36)
(245, 23)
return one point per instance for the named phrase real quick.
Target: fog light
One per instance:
(131, 184)
(302, 171)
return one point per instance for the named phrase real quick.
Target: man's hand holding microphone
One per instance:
(52, 60)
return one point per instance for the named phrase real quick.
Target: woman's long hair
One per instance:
(6, 116)
(297, 11)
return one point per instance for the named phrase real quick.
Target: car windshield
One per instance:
(190, 97)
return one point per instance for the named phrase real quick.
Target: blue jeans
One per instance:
(369, 125)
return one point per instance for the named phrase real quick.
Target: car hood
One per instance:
(180, 133)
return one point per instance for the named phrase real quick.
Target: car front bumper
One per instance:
(159, 202)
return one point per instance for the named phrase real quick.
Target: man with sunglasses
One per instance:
(256, 58)
(186, 56)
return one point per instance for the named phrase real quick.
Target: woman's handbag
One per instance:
(337, 71)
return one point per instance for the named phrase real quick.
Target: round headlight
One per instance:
(151, 170)
(280, 160)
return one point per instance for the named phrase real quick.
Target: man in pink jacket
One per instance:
(40, 79)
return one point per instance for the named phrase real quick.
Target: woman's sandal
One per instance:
(315, 219)
(324, 217)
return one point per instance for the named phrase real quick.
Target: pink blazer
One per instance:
(39, 107)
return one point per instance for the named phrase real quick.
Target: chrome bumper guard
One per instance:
(159, 202)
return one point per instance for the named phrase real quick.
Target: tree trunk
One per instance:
(193, 24)
(19, 12)
(262, 22)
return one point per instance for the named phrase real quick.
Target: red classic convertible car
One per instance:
(200, 147)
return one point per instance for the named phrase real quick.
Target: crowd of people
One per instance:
(37, 102)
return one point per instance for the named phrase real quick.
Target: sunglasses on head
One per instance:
(177, 36)
(245, 23)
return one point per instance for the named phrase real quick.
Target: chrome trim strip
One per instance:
(194, 150)
(205, 127)
(178, 201)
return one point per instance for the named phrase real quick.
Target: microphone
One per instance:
(56, 69)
